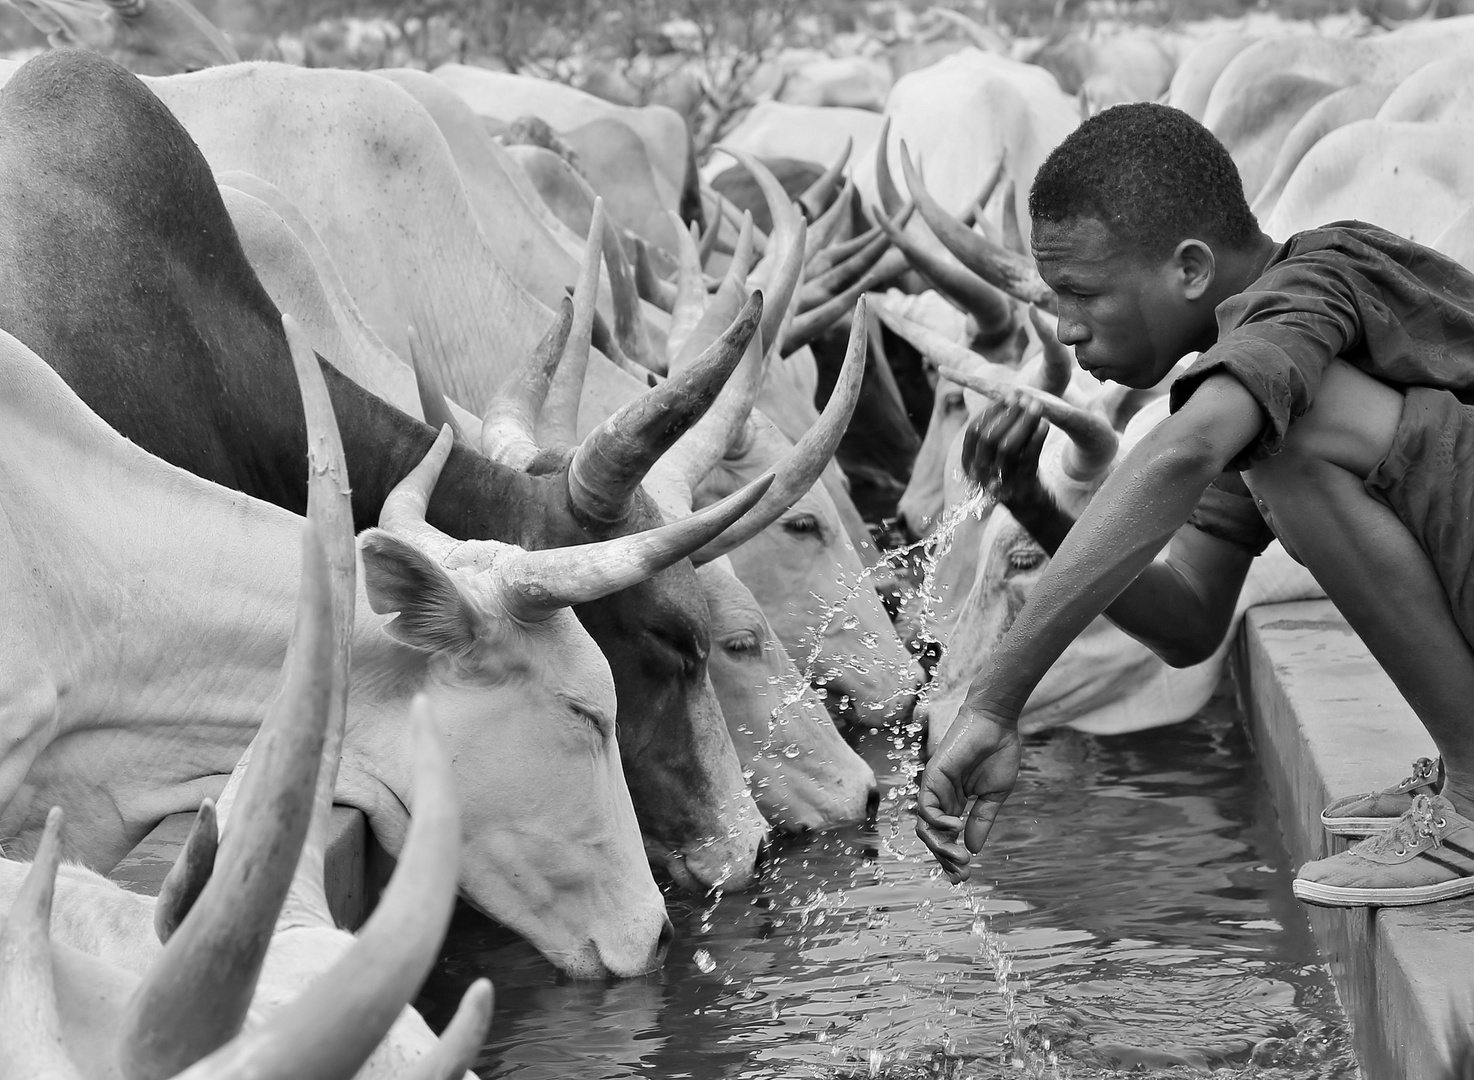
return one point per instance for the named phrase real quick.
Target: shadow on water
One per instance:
(1131, 914)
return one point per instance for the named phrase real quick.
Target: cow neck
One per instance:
(153, 601)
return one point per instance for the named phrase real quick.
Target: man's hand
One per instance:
(1004, 441)
(979, 760)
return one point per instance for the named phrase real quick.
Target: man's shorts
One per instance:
(1427, 479)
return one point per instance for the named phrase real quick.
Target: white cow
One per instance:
(170, 623)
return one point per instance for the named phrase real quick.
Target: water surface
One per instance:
(1132, 914)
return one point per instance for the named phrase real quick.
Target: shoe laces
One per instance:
(1423, 770)
(1418, 824)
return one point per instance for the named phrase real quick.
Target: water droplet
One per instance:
(791, 751)
(704, 961)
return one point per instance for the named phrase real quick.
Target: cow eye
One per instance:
(954, 402)
(802, 524)
(1025, 558)
(744, 643)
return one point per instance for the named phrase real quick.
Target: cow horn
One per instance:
(698, 451)
(1092, 439)
(559, 424)
(826, 228)
(194, 998)
(885, 180)
(834, 281)
(1059, 360)
(939, 350)
(802, 466)
(537, 583)
(816, 197)
(709, 237)
(461, 1040)
(404, 509)
(835, 254)
(629, 321)
(508, 430)
(1015, 274)
(690, 302)
(191, 870)
(722, 307)
(784, 263)
(648, 284)
(334, 1025)
(432, 398)
(990, 308)
(806, 327)
(608, 465)
(30, 1024)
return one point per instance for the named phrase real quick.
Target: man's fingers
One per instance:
(953, 857)
(980, 821)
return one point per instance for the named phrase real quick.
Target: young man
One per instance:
(1327, 400)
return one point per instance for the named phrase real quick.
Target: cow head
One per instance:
(149, 37)
(485, 630)
(805, 777)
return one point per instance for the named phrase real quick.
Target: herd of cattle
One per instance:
(608, 583)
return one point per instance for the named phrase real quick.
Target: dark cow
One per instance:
(120, 267)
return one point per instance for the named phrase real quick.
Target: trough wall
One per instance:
(1326, 722)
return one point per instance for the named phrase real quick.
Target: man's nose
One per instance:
(1071, 331)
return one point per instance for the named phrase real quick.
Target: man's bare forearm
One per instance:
(1165, 608)
(1146, 499)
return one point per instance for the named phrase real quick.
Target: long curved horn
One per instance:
(1014, 274)
(508, 430)
(462, 1038)
(783, 265)
(826, 228)
(818, 290)
(989, 307)
(1059, 361)
(537, 583)
(195, 997)
(648, 284)
(709, 238)
(806, 327)
(697, 452)
(334, 1025)
(187, 877)
(690, 302)
(432, 398)
(836, 254)
(403, 512)
(30, 1025)
(722, 307)
(885, 181)
(1092, 439)
(937, 348)
(559, 424)
(802, 466)
(817, 196)
(608, 466)
(629, 321)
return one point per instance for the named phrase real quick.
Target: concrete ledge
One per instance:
(1327, 722)
(345, 870)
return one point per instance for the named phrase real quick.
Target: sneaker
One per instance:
(1373, 811)
(1426, 855)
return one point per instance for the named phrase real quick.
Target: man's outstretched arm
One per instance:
(1180, 607)
(1144, 501)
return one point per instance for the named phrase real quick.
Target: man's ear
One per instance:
(1194, 267)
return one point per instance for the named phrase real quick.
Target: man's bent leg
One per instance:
(1384, 583)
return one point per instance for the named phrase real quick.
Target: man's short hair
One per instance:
(1151, 174)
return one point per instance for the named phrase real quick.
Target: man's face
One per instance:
(1117, 307)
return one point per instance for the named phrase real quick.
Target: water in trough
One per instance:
(1131, 914)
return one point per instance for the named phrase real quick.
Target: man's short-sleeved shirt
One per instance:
(1397, 310)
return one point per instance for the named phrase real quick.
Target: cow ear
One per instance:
(434, 615)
